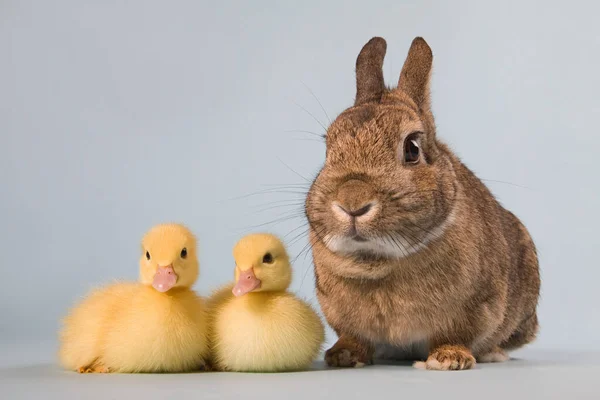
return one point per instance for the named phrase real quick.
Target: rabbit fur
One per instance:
(410, 249)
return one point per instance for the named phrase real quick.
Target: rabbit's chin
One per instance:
(393, 245)
(377, 247)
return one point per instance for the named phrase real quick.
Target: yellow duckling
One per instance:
(156, 325)
(257, 326)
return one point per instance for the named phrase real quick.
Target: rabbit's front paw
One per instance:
(347, 353)
(448, 358)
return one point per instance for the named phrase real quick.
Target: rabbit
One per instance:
(410, 249)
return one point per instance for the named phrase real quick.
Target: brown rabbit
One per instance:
(411, 251)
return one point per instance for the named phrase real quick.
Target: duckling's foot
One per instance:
(205, 367)
(349, 353)
(101, 369)
(94, 368)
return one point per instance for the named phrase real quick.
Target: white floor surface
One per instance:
(531, 374)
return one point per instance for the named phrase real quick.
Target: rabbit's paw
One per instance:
(347, 353)
(343, 358)
(494, 356)
(448, 358)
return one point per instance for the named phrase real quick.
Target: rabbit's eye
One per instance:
(411, 150)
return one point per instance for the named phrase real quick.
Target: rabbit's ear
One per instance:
(369, 72)
(414, 78)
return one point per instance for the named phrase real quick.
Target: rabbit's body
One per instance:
(480, 296)
(414, 254)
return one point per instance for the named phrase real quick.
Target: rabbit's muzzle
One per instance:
(354, 205)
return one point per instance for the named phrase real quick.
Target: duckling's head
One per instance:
(261, 265)
(169, 257)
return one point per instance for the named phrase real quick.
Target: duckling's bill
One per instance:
(164, 279)
(246, 283)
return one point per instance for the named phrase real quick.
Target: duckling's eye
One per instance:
(184, 253)
(268, 259)
(147, 256)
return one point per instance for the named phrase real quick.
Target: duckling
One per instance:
(256, 324)
(155, 325)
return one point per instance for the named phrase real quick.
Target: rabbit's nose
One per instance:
(357, 213)
(355, 199)
(346, 214)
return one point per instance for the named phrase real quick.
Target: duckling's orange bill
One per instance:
(246, 283)
(164, 279)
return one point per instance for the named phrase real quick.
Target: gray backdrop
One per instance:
(114, 117)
